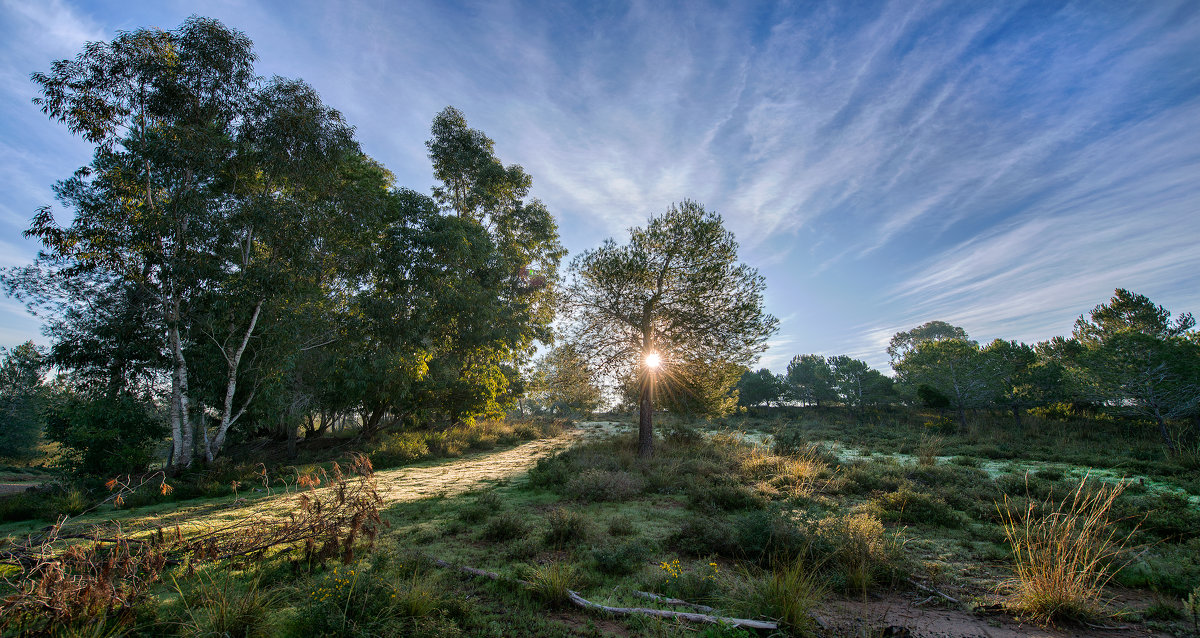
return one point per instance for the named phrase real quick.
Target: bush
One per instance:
(482, 507)
(697, 584)
(620, 558)
(705, 536)
(621, 525)
(791, 594)
(566, 526)
(724, 497)
(601, 485)
(860, 549)
(551, 583)
(24, 506)
(504, 526)
(108, 435)
(399, 449)
(918, 508)
(218, 606)
(772, 537)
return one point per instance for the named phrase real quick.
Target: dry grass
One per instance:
(929, 449)
(1065, 552)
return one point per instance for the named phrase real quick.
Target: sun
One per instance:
(653, 360)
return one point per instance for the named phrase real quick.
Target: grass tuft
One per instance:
(1065, 551)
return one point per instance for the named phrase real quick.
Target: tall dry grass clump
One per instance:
(1065, 551)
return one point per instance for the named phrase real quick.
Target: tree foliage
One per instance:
(23, 398)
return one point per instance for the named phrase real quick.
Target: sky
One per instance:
(1003, 166)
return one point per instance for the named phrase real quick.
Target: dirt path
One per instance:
(447, 477)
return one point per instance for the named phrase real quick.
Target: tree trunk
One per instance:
(1016, 410)
(181, 423)
(962, 417)
(646, 417)
(1166, 434)
(233, 361)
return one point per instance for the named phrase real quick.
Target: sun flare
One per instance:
(653, 360)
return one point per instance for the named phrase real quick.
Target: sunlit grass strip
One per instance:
(1065, 552)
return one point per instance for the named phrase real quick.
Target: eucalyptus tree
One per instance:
(506, 250)
(673, 302)
(211, 194)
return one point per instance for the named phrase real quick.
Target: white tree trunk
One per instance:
(228, 418)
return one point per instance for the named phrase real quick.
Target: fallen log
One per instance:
(673, 601)
(584, 603)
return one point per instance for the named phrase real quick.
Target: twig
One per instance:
(1122, 627)
(931, 590)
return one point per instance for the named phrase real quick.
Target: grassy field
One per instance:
(826, 523)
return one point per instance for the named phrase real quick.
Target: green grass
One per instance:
(746, 530)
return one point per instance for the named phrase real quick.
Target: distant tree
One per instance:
(22, 399)
(675, 290)
(1136, 360)
(105, 435)
(954, 368)
(858, 384)
(904, 342)
(758, 388)
(1012, 366)
(562, 382)
(811, 379)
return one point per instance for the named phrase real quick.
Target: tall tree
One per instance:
(208, 202)
(757, 388)
(858, 384)
(673, 301)
(1012, 366)
(504, 303)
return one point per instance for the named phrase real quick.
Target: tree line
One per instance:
(1126, 357)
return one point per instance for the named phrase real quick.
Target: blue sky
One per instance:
(1002, 166)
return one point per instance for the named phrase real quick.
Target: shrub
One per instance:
(566, 526)
(551, 472)
(399, 449)
(352, 601)
(772, 537)
(24, 506)
(620, 558)
(709, 497)
(108, 435)
(504, 526)
(1065, 551)
(698, 584)
(602, 485)
(860, 549)
(483, 506)
(705, 536)
(930, 447)
(621, 525)
(918, 508)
